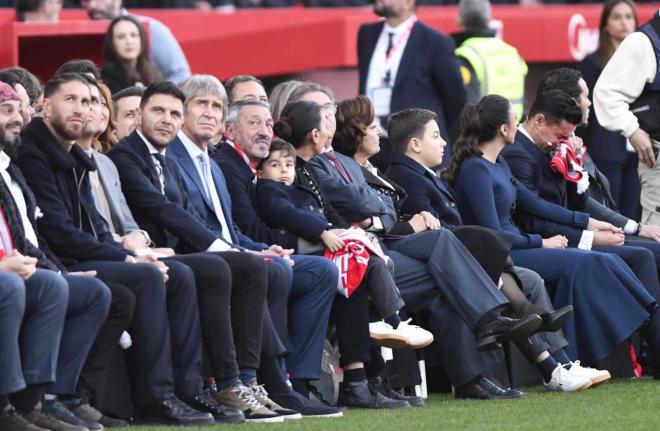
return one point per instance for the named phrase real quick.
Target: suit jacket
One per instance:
(600, 204)
(59, 179)
(396, 196)
(45, 257)
(200, 201)
(426, 192)
(428, 76)
(170, 219)
(355, 200)
(239, 178)
(122, 218)
(531, 167)
(553, 188)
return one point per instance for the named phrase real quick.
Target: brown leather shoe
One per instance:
(12, 420)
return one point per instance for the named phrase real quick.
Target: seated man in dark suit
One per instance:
(314, 278)
(153, 187)
(417, 148)
(57, 172)
(553, 117)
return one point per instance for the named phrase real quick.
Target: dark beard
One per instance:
(57, 124)
(7, 144)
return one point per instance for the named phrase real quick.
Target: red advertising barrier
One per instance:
(276, 41)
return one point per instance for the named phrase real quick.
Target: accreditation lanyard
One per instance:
(396, 46)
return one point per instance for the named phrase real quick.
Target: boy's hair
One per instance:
(282, 146)
(407, 124)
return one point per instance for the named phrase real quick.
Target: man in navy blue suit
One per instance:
(553, 116)
(404, 63)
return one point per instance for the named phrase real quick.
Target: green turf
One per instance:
(620, 405)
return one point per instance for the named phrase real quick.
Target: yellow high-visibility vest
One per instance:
(499, 68)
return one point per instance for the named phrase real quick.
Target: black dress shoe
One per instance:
(485, 390)
(175, 411)
(554, 321)
(359, 394)
(222, 414)
(307, 407)
(379, 385)
(503, 329)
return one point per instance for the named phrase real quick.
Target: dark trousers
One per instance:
(624, 184)
(31, 325)
(120, 316)
(310, 302)
(165, 329)
(533, 287)
(384, 294)
(249, 283)
(455, 342)
(352, 323)
(448, 268)
(87, 308)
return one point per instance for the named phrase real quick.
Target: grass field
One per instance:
(620, 405)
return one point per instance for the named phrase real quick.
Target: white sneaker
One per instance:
(417, 337)
(563, 380)
(405, 335)
(382, 334)
(596, 376)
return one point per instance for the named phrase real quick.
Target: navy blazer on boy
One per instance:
(293, 207)
(199, 200)
(426, 191)
(428, 76)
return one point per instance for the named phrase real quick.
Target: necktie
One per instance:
(206, 181)
(160, 169)
(390, 46)
(342, 171)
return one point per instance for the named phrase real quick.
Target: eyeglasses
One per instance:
(330, 108)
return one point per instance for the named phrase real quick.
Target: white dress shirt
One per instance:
(379, 65)
(19, 199)
(206, 178)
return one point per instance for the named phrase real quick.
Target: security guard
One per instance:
(488, 64)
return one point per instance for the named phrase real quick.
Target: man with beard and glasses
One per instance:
(165, 50)
(63, 312)
(165, 326)
(404, 63)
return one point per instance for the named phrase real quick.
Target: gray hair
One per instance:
(204, 85)
(474, 15)
(280, 96)
(235, 109)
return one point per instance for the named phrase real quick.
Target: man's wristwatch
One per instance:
(638, 230)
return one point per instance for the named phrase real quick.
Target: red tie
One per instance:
(333, 158)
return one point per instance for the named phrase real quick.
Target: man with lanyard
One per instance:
(403, 63)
